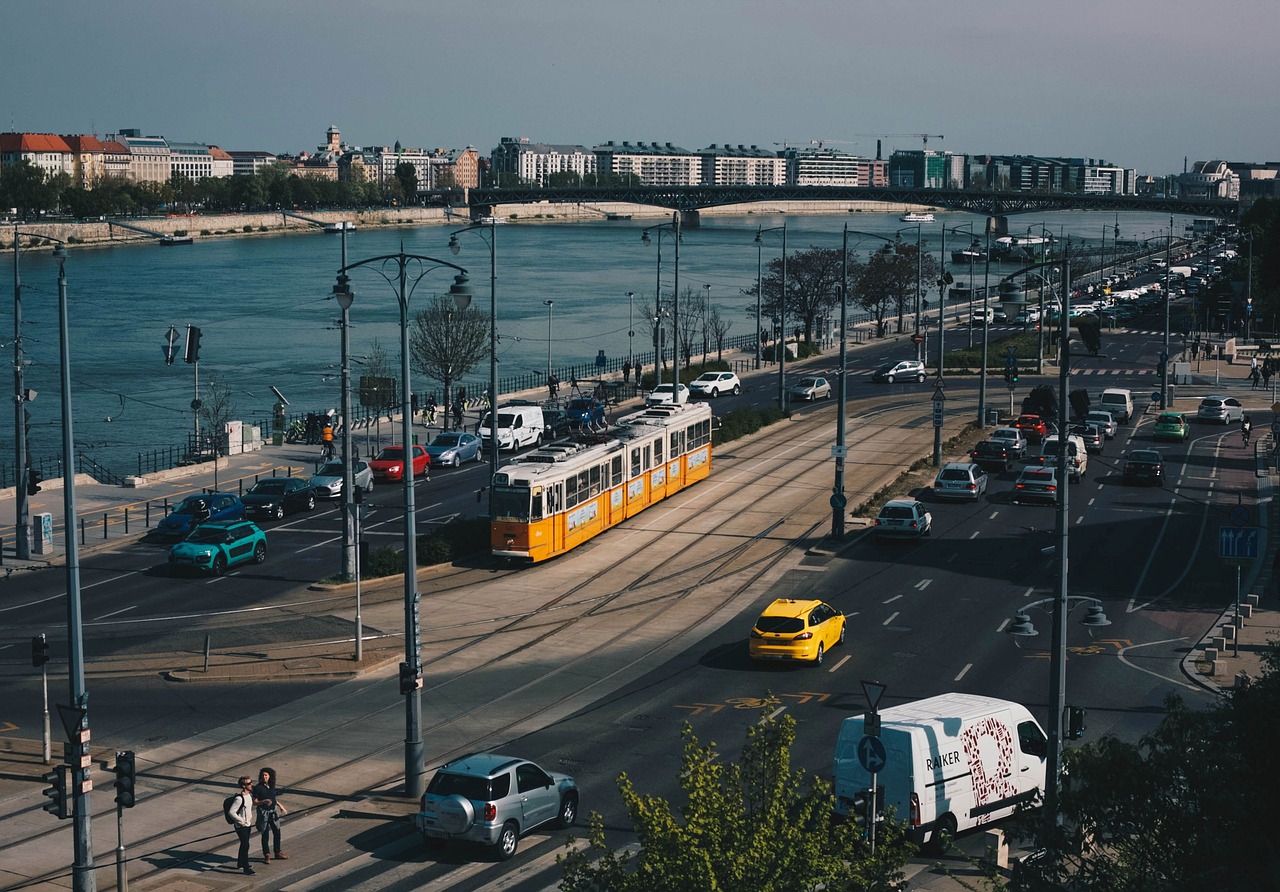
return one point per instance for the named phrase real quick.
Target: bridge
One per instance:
(689, 199)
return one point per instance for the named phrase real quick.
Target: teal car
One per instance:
(213, 547)
(1170, 426)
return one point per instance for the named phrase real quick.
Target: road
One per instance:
(590, 664)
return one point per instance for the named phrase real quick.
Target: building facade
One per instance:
(651, 164)
(535, 162)
(742, 166)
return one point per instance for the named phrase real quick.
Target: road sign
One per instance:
(839, 451)
(1239, 515)
(938, 413)
(917, 339)
(839, 501)
(1239, 542)
(871, 754)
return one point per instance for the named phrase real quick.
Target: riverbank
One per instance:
(208, 226)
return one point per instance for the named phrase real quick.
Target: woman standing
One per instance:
(270, 808)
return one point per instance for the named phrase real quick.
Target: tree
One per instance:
(407, 174)
(1193, 804)
(27, 188)
(692, 323)
(446, 343)
(757, 825)
(719, 328)
(814, 279)
(216, 409)
(887, 282)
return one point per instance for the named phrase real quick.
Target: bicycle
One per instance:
(1244, 435)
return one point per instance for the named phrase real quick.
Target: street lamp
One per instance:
(781, 345)
(706, 312)
(549, 304)
(411, 668)
(673, 228)
(631, 335)
(22, 525)
(492, 242)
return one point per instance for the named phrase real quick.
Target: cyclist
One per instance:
(1246, 427)
(431, 410)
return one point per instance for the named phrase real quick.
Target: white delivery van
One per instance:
(518, 425)
(1077, 455)
(951, 763)
(1118, 402)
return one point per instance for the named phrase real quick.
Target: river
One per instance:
(265, 309)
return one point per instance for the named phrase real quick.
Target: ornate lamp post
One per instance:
(781, 345)
(673, 229)
(411, 668)
(492, 242)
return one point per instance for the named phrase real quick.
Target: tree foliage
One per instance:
(814, 278)
(757, 825)
(446, 343)
(1193, 805)
(887, 284)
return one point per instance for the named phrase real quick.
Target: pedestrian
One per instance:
(1253, 366)
(327, 436)
(431, 410)
(266, 796)
(626, 372)
(457, 414)
(639, 373)
(242, 814)
(1253, 379)
(553, 385)
(1266, 373)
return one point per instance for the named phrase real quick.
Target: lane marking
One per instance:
(98, 619)
(891, 600)
(843, 660)
(964, 671)
(891, 618)
(923, 584)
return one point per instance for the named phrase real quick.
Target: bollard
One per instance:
(1228, 631)
(1211, 654)
(996, 849)
(1238, 621)
(1219, 643)
(1246, 611)
(104, 524)
(82, 539)
(1252, 599)
(207, 640)
(1, 551)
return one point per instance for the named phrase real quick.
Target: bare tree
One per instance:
(813, 287)
(216, 408)
(719, 327)
(446, 343)
(691, 325)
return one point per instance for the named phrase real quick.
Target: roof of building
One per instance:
(33, 142)
(84, 143)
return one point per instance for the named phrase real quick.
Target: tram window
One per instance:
(570, 492)
(535, 505)
(584, 486)
(677, 443)
(647, 457)
(595, 480)
(636, 468)
(555, 498)
(617, 470)
(657, 451)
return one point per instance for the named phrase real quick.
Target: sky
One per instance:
(1147, 84)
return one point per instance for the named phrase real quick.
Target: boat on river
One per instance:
(340, 226)
(916, 217)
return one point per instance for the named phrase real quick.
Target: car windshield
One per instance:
(579, 405)
(662, 388)
(1038, 476)
(332, 469)
(267, 487)
(446, 783)
(809, 382)
(207, 535)
(196, 506)
(445, 440)
(780, 624)
(986, 446)
(954, 474)
(1170, 419)
(1149, 457)
(395, 453)
(1210, 404)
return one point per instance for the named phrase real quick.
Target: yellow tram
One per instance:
(557, 497)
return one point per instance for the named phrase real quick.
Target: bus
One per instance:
(555, 498)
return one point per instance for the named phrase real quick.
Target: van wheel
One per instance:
(817, 661)
(943, 832)
(507, 842)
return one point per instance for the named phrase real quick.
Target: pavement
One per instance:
(1235, 659)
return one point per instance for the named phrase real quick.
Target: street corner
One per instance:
(267, 668)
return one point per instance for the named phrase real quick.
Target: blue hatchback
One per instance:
(198, 509)
(585, 411)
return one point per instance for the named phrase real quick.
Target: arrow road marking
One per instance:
(699, 708)
(806, 696)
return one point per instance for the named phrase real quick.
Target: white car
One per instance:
(1104, 421)
(327, 482)
(1013, 438)
(903, 517)
(665, 395)
(713, 384)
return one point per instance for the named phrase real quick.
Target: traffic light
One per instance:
(39, 650)
(56, 792)
(1075, 723)
(192, 353)
(1159, 369)
(33, 481)
(409, 680)
(126, 775)
(1011, 371)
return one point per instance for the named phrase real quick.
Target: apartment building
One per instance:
(741, 165)
(535, 162)
(651, 164)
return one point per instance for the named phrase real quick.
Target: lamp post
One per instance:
(673, 228)
(838, 499)
(492, 241)
(631, 335)
(706, 311)
(781, 345)
(549, 304)
(22, 525)
(1164, 379)
(411, 668)
(1248, 292)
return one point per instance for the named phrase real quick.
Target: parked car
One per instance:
(796, 630)
(389, 463)
(713, 384)
(195, 510)
(1014, 438)
(960, 480)
(1170, 426)
(1104, 421)
(1222, 409)
(903, 517)
(583, 411)
(665, 395)
(1033, 427)
(327, 482)
(993, 455)
(811, 389)
(1036, 485)
(215, 547)
(274, 497)
(1144, 466)
(452, 448)
(494, 800)
(906, 368)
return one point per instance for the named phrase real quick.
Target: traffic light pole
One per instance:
(122, 866)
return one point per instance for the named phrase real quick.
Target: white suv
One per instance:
(713, 384)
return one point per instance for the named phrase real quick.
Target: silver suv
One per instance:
(494, 800)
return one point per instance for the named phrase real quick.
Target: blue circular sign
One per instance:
(871, 754)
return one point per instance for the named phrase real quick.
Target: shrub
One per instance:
(744, 422)
(262, 229)
(456, 539)
(248, 228)
(385, 561)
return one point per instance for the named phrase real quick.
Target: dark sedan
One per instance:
(1144, 466)
(993, 455)
(274, 497)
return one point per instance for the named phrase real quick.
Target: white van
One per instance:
(1077, 455)
(951, 763)
(518, 425)
(1118, 402)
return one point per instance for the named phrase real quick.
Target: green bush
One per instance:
(248, 228)
(385, 561)
(458, 538)
(744, 422)
(263, 229)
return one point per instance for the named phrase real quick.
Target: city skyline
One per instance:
(1145, 86)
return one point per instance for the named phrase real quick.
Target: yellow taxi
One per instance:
(796, 630)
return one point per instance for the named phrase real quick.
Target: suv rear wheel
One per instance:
(508, 841)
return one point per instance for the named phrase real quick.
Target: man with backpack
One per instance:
(239, 813)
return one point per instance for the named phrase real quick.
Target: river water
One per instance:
(264, 306)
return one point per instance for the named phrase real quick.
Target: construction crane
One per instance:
(924, 137)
